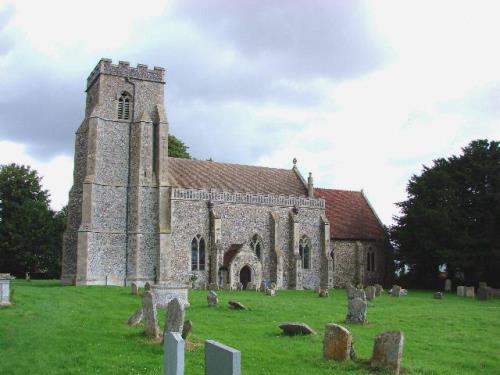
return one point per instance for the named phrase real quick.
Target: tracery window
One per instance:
(256, 244)
(124, 106)
(305, 252)
(198, 253)
(370, 260)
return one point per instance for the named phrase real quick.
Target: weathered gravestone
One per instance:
(396, 291)
(173, 348)
(337, 342)
(469, 291)
(134, 289)
(221, 359)
(461, 291)
(323, 292)
(187, 328)
(175, 316)
(484, 293)
(237, 305)
(147, 287)
(212, 299)
(370, 293)
(447, 285)
(136, 317)
(353, 292)
(356, 310)
(378, 290)
(388, 351)
(483, 284)
(295, 328)
(438, 295)
(5, 289)
(151, 327)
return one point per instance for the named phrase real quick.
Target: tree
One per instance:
(452, 218)
(177, 148)
(30, 232)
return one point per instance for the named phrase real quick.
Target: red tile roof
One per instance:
(200, 174)
(350, 215)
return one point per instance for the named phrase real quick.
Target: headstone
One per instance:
(237, 305)
(323, 292)
(337, 342)
(250, 286)
(356, 311)
(271, 292)
(469, 291)
(294, 328)
(134, 289)
(135, 318)
(461, 291)
(147, 286)
(212, 299)
(396, 291)
(239, 286)
(221, 359)
(483, 284)
(388, 351)
(438, 295)
(187, 328)
(353, 292)
(370, 293)
(447, 285)
(484, 293)
(175, 316)
(378, 290)
(173, 347)
(151, 327)
(5, 289)
(28, 277)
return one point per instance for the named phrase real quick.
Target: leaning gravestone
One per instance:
(175, 316)
(294, 328)
(221, 359)
(469, 291)
(187, 328)
(212, 299)
(337, 342)
(396, 291)
(388, 351)
(461, 291)
(134, 289)
(135, 318)
(151, 327)
(173, 347)
(378, 290)
(370, 293)
(356, 310)
(237, 305)
(438, 295)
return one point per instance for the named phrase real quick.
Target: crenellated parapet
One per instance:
(123, 69)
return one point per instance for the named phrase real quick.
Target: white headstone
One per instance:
(447, 285)
(4, 289)
(173, 347)
(461, 291)
(221, 359)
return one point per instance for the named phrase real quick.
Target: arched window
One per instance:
(370, 260)
(124, 106)
(305, 252)
(256, 244)
(198, 253)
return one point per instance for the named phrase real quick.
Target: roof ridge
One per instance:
(231, 164)
(346, 190)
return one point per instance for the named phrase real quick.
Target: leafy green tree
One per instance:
(452, 218)
(30, 232)
(177, 148)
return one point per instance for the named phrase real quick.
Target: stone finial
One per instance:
(294, 162)
(310, 186)
(388, 351)
(337, 342)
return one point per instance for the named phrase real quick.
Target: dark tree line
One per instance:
(451, 219)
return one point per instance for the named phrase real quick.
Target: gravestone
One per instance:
(175, 316)
(469, 291)
(461, 291)
(239, 286)
(28, 277)
(337, 342)
(134, 289)
(147, 287)
(212, 299)
(135, 318)
(484, 293)
(295, 328)
(396, 291)
(271, 292)
(370, 293)
(173, 347)
(388, 351)
(353, 292)
(483, 284)
(356, 310)
(323, 292)
(5, 289)
(237, 305)
(447, 285)
(221, 359)
(187, 328)
(378, 290)
(151, 327)
(438, 295)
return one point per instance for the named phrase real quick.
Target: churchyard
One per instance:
(51, 329)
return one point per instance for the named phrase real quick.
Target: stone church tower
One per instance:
(118, 225)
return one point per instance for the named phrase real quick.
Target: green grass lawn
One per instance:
(82, 330)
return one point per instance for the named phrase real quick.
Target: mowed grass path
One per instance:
(81, 330)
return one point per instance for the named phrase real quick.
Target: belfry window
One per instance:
(256, 244)
(124, 106)
(305, 252)
(198, 253)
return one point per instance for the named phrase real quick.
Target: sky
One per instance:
(362, 93)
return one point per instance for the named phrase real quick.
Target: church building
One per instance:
(137, 215)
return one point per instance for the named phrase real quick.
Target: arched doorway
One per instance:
(245, 276)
